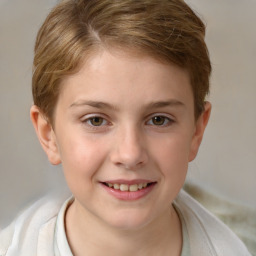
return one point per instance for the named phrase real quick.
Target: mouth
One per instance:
(128, 190)
(128, 187)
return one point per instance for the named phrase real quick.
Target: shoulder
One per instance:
(207, 233)
(35, 224)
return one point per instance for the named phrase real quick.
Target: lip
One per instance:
(128, 182)
(127, 195)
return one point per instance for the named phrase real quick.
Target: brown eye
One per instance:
(162, 121)
(159, 120)
(96, 121)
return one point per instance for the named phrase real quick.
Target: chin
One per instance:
(129, 220)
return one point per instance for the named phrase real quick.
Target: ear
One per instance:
(45, 134)
(200, 126)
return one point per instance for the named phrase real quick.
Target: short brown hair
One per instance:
(167, 30)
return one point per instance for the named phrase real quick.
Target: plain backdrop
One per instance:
(226, 162)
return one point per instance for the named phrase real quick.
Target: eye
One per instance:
(160, 121)
(95, 121)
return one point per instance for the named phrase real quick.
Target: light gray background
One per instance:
(227, 160)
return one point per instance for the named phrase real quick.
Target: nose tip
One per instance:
(130, 153)
(130, 163)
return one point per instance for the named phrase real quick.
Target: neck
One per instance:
(85, 232)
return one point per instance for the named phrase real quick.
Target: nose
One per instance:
(129, 150)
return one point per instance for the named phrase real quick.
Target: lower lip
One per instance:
(127, 195)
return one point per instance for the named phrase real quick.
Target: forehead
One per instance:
(123, 75)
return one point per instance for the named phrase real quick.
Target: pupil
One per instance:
(97, 121)
(158, 120)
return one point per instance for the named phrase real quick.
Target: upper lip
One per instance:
(128, 182)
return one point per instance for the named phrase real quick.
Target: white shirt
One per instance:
(61, 246)
(40, 231)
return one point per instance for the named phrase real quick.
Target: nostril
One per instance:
(131, 167)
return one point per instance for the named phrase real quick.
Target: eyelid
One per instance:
(86, 118)
(93, 115)
(164, 115)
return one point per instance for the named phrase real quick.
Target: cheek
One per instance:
(81, 159)
(173, 155)
(171, 159)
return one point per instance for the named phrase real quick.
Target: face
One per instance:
(124, 132)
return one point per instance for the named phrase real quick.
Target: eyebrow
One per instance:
(104, 105)
(94, 104)
(167, 103)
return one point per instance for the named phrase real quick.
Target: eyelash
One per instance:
(88, 121)
(167, 121)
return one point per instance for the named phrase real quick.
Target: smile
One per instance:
(128, 191)
(126, 187)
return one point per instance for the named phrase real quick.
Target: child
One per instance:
(119, 92)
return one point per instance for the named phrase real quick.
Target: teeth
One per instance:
(126, 187)
(116, 186)
(133, 188)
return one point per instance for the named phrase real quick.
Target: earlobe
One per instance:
(45, 134)
(201, 124)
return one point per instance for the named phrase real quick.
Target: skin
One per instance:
(145, 130)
